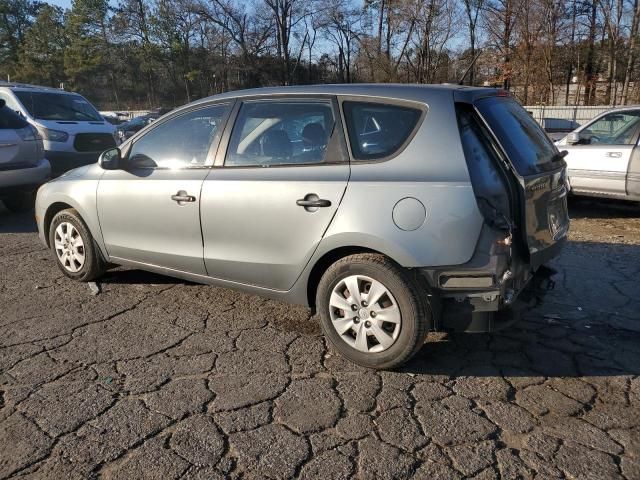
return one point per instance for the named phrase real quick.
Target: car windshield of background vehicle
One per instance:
(616, 128)
(58, 106)
(378, 130)
(525, 143)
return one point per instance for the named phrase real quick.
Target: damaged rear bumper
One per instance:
(478, 313)
(489, 292)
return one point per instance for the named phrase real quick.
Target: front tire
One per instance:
(371, 311)
(73, 247)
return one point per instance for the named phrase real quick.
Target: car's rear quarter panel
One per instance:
(431, 169)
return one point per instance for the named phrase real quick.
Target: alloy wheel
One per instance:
(69, 247)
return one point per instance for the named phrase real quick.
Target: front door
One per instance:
(266, 206)
(149, 210)
(600, 163)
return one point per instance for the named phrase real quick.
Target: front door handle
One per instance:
(320, 202)
(183, 197)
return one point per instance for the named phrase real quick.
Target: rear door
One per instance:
(599, 164)
(267, 203)
(543, 221)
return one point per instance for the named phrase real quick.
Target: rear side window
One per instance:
(378, 130)
(11, 120)
(525, 143)
(269, 133)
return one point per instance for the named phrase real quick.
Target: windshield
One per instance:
(58, 106)
(136, 123)
(524, 142)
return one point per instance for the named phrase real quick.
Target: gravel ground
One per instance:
(157, 378)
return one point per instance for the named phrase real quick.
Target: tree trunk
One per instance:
(631, 52)
(589, 74)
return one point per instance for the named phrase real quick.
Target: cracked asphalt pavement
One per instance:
(158, 378)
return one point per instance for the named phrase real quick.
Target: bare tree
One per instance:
(434, 30)
(473, 9)
(612, 11)
(631, 50)
(500, 20)
(341, 23)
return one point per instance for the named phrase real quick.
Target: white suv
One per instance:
(23, 167)
(73, 131)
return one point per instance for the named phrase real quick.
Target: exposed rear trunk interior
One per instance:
(518, 175)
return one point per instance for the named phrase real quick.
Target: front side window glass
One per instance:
(280, 133)
(377, 130)
(58, 106)
(616, 128)
(180, 142)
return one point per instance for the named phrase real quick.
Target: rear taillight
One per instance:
(487, 176)
(28, 133)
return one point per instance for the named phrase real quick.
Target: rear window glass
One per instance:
(377, 130)
(525, 143)
(10, 119)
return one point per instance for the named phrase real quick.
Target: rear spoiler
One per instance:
(471, 95)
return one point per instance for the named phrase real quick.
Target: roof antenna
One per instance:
(466, 72)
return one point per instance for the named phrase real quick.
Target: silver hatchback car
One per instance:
(393, 210)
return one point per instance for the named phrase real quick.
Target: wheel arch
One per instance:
(51, 212)
(62, 202)
(324, 262)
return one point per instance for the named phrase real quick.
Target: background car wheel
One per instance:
(371, 311)
(73, 247)
(20, 202)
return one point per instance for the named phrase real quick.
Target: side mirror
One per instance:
(573, 138)
(110, 159)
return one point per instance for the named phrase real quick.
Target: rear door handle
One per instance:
(183, 197)
(613, 154)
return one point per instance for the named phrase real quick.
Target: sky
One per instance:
(60, 3)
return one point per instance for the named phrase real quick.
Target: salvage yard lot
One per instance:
(154, 377)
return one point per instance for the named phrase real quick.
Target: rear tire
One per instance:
(73, 248)
(394, 325)
(20, 202)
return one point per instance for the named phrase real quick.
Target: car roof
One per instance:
(26, 87)
(384, 90)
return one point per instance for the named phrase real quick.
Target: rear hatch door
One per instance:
(539, 170)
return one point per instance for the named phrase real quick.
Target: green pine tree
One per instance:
(41, 58)
(86, 55)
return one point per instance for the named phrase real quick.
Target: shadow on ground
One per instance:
(16, 222)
